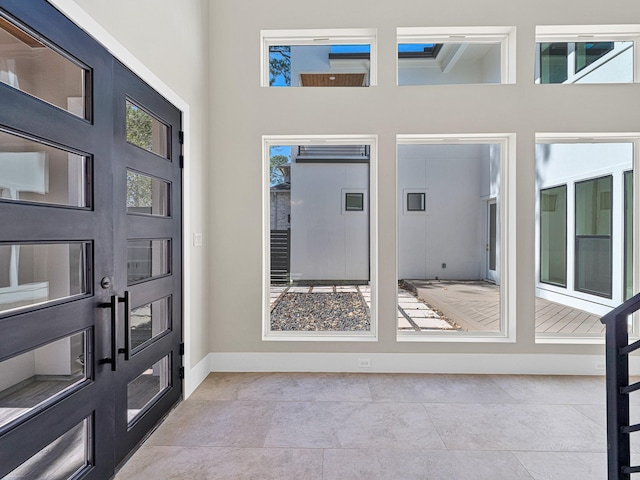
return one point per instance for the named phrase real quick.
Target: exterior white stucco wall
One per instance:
(327, 242)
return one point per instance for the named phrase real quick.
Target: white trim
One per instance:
(503, 35)
(269, 141)
(507, 142)
(196, 375)
(335, 36)
(451, 363)
(83, 20)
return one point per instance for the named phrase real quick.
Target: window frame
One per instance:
(371, 209)
(507, 258)
(588, 33)
(505, 36)
(310, 37)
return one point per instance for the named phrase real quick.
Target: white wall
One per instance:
(328, 243)
(242, 112)
(616, 69)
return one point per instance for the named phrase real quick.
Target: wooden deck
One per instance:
(475, 306)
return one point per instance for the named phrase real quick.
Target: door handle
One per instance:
(114, 305)
(126, 299)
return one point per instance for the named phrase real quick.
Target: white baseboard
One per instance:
(532, 364)
(196, 375)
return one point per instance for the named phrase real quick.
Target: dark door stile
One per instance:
(147, 227)
(104, 226)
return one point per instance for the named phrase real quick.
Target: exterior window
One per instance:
(431, 56)
(318, 58)
(415, 202)
(354, 202)
(587, 53)
(553, 235)
(319, 241)
(593, 269)
(553, 62)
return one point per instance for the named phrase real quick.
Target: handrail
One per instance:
(617, 351)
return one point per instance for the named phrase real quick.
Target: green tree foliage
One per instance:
(280, 64)
(275, 175)
(139, 127)
(139, 132)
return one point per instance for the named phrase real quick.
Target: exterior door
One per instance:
(85, 336)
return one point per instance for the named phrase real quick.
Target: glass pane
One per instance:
(553, 62)
(146, 131)
(585, 62)
(33, 274)
(449, 63)
(29, 65)
(147, 388)
(587, 53)
(319, 255)
(319, 65)
(146, 259)
(553, 235)
(61, 459)
(593, 236)
(148, 321)
(354, 202)
(147, 195)
(33, 172)
(628, 235)
(581, 259)
(415, 202)
(449, 260)
(34, 378)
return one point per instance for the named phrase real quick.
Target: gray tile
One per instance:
(564, 465)
(302, 387)
(209, 463)
(436, 389)
(554, 389)
(351, 425)
(516, 427)
(598, 414)
(224, 386)
(420, 465)
(215, 423)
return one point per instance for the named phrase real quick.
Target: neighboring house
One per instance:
(327, 212)
(584, 224)
(448, 201)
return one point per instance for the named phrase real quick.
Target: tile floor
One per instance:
(381, 426)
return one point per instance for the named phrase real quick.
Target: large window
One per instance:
(455, 55)
(584, 213)
(319, 58)
(319, 274)
(452, 238)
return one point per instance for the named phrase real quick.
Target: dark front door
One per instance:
(90, 251)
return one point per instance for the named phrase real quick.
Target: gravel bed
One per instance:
(344, 312)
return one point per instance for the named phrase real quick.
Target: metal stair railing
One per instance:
(617, 349)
